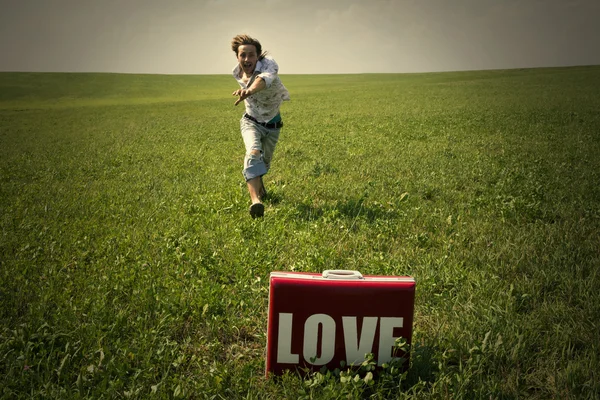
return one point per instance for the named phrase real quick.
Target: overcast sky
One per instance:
(304, 36)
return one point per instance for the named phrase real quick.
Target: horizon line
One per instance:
(289, 74)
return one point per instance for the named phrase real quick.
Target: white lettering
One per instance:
(357, 349)
(323, 327)
(284, 340)
(311, 338)
(387, 339)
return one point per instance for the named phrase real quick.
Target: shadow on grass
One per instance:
(422, 366)
(345, 209)
(274, 198)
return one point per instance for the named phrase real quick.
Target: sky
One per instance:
(303, 36)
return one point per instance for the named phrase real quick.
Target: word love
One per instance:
(355, 349)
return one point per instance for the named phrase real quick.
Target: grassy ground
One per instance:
(129, 267)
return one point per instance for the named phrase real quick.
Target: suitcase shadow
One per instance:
(421, 370)
(422, 365)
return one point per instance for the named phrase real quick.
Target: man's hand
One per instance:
(243, 95)
(258, 85)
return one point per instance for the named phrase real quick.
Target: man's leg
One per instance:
(269, 143)
(254, 166)
(254, 189)
(257, 209)
(263, 190)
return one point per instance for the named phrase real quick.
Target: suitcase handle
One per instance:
(341, 274)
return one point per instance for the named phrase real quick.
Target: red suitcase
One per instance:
(318, 320)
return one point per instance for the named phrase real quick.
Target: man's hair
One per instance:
(240, 40)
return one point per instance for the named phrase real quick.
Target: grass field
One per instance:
(130, 268)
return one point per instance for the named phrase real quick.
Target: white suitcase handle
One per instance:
(341, 274)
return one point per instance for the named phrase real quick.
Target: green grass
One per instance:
(130, 268)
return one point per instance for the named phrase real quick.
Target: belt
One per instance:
(272, 125)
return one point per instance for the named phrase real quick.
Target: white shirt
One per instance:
(264, 105)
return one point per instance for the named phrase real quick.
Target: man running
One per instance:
(262, 91)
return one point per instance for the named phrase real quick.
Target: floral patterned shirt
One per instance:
(264, 105)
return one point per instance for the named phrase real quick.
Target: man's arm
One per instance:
(258, 85)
